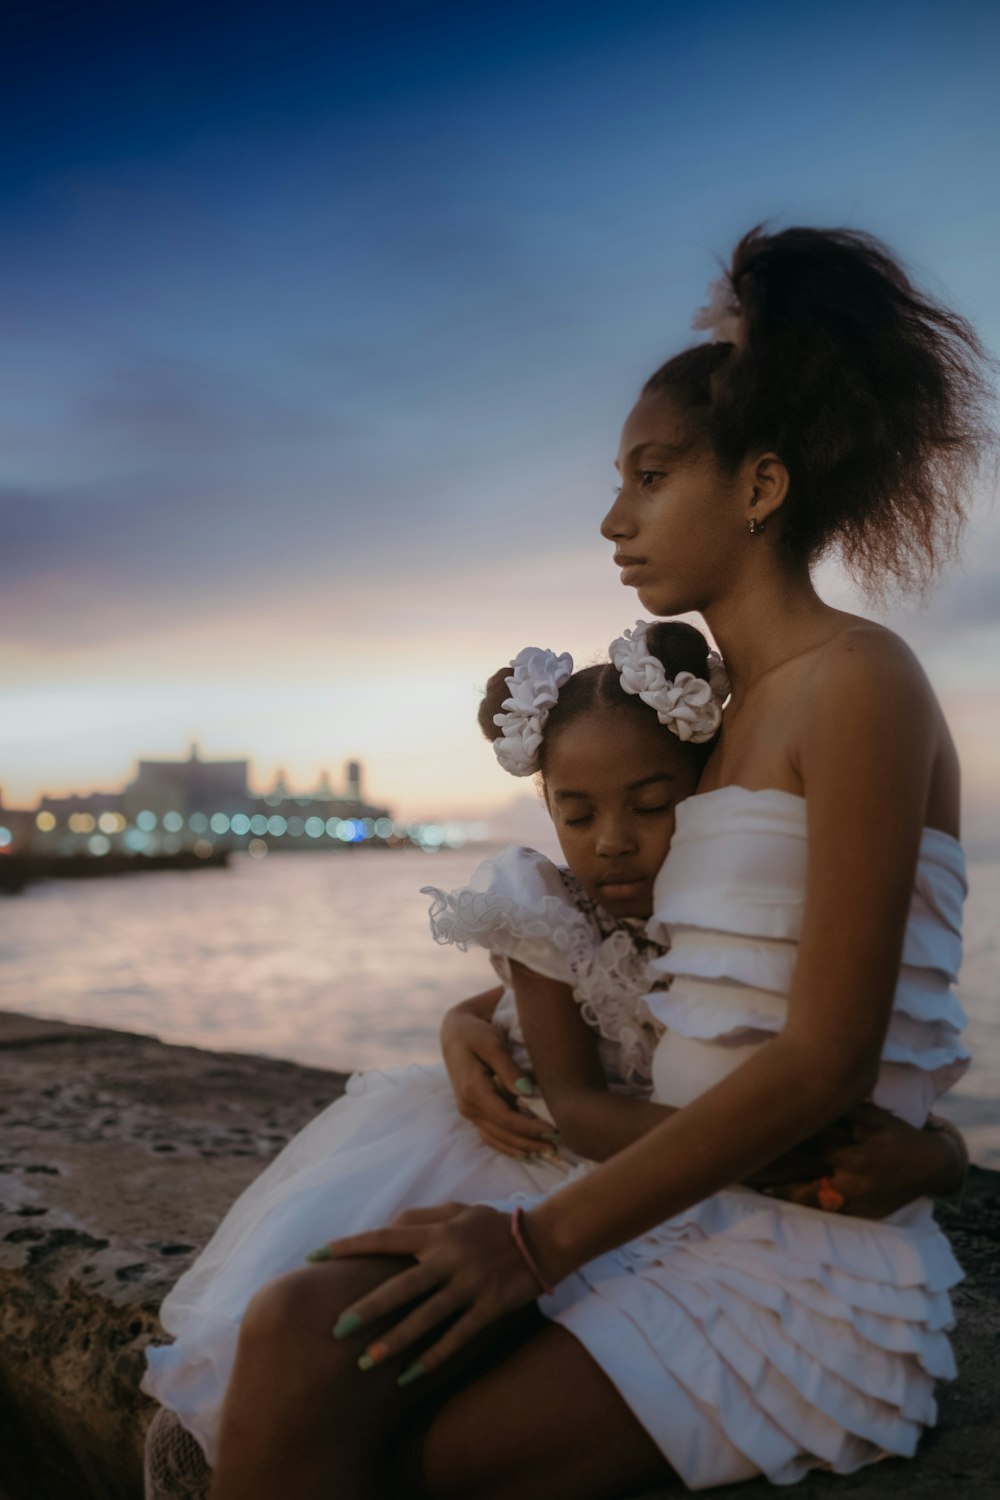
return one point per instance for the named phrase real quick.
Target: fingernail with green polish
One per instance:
(552, 1135)
(346, 1324)
(410, 1374)
(365, 1362)
(525, 1086)
(323, 1253)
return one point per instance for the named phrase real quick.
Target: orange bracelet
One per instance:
(517, 1235)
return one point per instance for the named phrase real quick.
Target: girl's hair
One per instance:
(876, 398)
(680, 648)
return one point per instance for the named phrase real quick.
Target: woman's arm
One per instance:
(875, 1161)
(865, 756)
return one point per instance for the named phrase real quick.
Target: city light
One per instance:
(177, 834)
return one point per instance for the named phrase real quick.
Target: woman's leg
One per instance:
(299, 1413)
(531, 1414)
(546, 1423)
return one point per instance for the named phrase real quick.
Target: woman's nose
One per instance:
(617, 523)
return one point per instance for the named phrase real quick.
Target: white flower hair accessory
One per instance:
(689, 706)
(534, 688)
(722, 317)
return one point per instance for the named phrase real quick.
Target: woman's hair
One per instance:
(876, 398)
(680, 648)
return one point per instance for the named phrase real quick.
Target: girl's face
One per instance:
(612, 782)
(679, 520)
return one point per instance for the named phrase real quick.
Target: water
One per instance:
(326, 959)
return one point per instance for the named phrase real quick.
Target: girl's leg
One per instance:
(546, 1423)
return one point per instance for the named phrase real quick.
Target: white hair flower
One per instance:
(722, 316)
(689, 706)
(534, 688)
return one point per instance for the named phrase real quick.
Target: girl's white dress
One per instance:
(747, 1335)
(396, 1139)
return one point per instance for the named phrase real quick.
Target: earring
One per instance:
(755, 527)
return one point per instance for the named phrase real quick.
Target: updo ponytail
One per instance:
(876, 398)
(679, 647)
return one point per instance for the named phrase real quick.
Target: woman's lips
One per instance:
(630, 566)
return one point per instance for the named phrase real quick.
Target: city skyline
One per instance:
(319, 330)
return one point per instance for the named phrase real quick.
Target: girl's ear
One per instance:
(767, 485)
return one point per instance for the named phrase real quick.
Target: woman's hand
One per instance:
(872, 1159)
(468, 1270)
(488, 1084)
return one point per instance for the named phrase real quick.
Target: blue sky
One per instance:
(318, 331)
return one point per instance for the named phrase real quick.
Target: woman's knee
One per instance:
(287, 1329)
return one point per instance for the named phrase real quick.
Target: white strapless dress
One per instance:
(749, 1335)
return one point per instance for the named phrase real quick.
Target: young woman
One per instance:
(812, 893)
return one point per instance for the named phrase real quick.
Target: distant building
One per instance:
(198, 804)
(189, 786)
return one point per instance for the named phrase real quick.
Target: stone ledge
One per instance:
(121, 1153)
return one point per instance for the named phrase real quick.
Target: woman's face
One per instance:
(612, 782)
(678, 522)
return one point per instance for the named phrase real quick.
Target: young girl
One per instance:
(614, 770)
(813, 894)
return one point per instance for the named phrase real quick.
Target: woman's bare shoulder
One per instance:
(863, 653)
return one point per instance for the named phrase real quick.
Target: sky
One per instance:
(317, 331)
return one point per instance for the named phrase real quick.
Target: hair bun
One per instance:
(680, 647)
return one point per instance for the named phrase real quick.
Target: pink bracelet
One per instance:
(517, 1235)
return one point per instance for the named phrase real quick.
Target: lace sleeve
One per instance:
(517, 907)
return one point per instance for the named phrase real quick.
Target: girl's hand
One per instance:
(468, 1269)
(487, 1085)
(873, 1159)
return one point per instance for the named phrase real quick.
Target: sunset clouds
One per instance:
(317, 336)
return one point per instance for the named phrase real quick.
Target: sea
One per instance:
(327, 959)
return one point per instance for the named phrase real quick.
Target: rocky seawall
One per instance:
(119, 1154)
